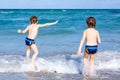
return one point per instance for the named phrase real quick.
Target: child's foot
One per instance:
(85, 74)
(33, 66)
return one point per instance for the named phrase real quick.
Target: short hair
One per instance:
(91, 22)
(33, 19)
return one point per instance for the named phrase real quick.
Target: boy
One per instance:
(92, 38)
(32, 33)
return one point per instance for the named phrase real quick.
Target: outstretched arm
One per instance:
(81, 43)
(48, 24)
(22, 31)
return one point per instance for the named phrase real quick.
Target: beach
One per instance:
(55, 76)
(58, 44)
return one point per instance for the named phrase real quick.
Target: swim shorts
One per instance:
(91, 49)
(29, 42)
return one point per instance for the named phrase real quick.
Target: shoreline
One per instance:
(106, 75)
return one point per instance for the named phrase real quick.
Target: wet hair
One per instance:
(91, 22)
(33, 19)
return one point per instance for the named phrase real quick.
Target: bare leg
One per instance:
(28, 53)
(85, 66)
(34, 48)
(92, 56)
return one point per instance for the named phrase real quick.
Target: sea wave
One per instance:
(59, 64)
(108, 60)
(6, 12)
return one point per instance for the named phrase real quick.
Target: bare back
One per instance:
(32, 31)
(91, 36)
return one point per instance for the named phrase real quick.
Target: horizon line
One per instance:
(60, 8)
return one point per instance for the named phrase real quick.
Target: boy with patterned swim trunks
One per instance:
(32, 33)
(92, 38)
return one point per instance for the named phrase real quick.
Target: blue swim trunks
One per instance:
(91, 49)
(29, 42)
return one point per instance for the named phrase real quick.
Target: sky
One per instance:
(59, 4)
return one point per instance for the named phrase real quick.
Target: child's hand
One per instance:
(19, 31)
(79, 52)
(98, 42)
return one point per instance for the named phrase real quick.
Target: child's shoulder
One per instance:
(33, 25)
(28, 26)
(89, 30)
(96, 30)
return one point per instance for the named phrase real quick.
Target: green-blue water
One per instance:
(67, 32)
(62, 38)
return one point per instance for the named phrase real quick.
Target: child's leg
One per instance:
(34, 48)
(92, 57)
(28, 53)
(85, 66)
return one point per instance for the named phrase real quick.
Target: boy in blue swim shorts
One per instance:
(29, 42)
(92, 38)
(32, 30)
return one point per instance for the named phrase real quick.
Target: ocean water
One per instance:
(58, 44)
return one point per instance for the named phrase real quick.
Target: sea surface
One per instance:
(58, 44)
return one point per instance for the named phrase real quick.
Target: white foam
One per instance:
(59, 63)
(113, 64)
(6, 12)
(64, 10)
(108, 60)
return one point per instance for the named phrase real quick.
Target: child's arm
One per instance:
(22, 31)
(48, 24)
(81, 43)
(98, 40)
